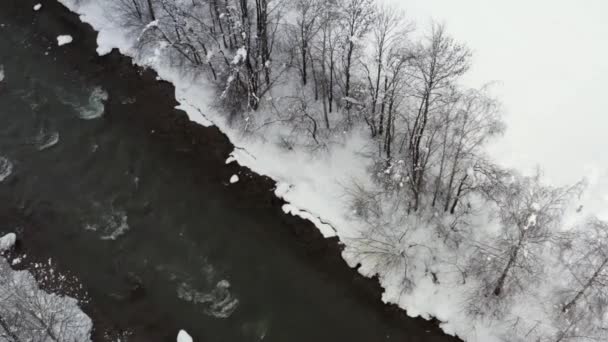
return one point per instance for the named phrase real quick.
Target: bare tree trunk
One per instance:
(331, 82)
(390, 128)
(513, 257)
(347, 71)
(252, 73)
(586, 286)
(303, 55)
(324, 100)
(448, 198)
(137, 9)
(151, 10)
(216, 12)
(205, 51)
(231, 38)
(382, 107)
(262, 32)
(324, 76)
(314, 76)
(458, 194)
(376, 94)
(8, 330)
(415, 145)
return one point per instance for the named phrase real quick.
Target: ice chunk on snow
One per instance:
(1, 73)
(37, 7)
(7, 241)
(183, 336)
(64, 39)
(234, 179)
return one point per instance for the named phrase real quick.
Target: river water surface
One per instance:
(101, 174)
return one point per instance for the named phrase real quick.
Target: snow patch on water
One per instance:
(7, 242)
(219, 303)
(64, 39)
(183, 336)
(230, 159)
(95, 107)
(6, 168)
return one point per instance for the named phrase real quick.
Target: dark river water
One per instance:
(114, 185)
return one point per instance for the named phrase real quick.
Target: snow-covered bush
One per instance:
(28, 313)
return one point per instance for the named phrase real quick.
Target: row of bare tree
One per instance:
(356, 65)
(326, 66)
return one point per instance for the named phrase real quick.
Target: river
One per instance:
(117, 187)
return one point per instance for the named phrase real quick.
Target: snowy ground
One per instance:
(314, 187)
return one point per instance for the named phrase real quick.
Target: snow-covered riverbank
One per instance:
(315, 186)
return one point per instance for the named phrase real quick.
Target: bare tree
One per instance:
(133, 14)
(306, 26)
(530, 214)
(585, 302)
(330, 45)
(355, 19)
(388, 29)
(475, 120)
(440, 62)
(396, 81)
(386, 239)
(250, 69)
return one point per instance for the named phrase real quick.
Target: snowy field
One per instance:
(315, 186)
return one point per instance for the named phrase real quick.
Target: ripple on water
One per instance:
(95, 107)
(219, 303)
(46, 139)
(6, 168)
(111, 225)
